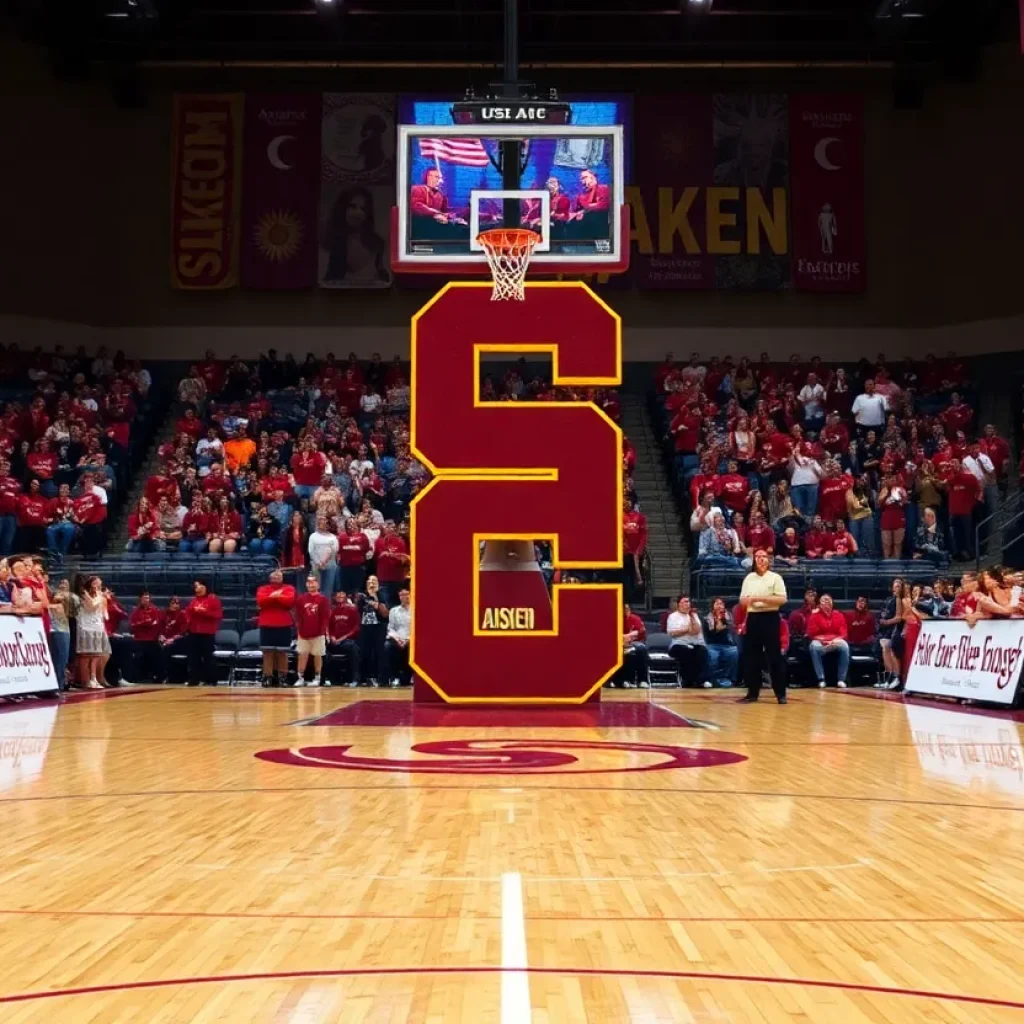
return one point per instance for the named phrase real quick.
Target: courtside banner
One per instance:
(953, 660)
(25, 664)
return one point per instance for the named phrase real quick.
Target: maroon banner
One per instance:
(204, 201)
(280, 191)
(674, 163)
(827, 203)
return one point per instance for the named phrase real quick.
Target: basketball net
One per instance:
(508, 255)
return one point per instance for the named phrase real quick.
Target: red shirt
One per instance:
(762, 536)
(146, 623)
(391, 568)
(59, 509)
(798, 620)
(32, 510)
(204, 615)
(344, 623)
(815, 543)
(158, 486)
(832, 496)
(225, 523)
(860, 627)
(835, 439)
(308, 468)
(733, 490)
(634, 532)
(826, 627)
(276, 482)
(137, 523)
(964, 492)
(10, 488)
(956, 417)
(174, 625)
(352, 549)
(195, 525)
(998, 451)
(42, 464)
(192, 427)
(633, 623)
(685, 428)
(89, 509)
(216, 483)
(312, 615)
(275, 610)
(777, 449)
(115, 615)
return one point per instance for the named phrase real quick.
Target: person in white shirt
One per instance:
(812, 398)
(396, 646)
(687, 645)
(702, 516)
(870, 409)
(805, 473)
(983, 468)
(323, 556)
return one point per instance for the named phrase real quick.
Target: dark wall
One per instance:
(86, 198)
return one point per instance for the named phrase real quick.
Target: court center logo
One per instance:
(511, 757)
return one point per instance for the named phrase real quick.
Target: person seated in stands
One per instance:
(797, 622)
(701, 518)
(789, 546)
(826, 633)
(90, 513)
(225, 528)
(759, 535)
(195, 527)
(862, 631)
(723, 652)
(635, 659)
(930, 540)
(396, 644)
(239, 450)
(816, 541)
(33, 517)
(782, 513)
(146, 623)
(262, 531)
(168, 521)
(733, 489)
(144, 529)
(687, 645)
(343, 635)
(216, 483)
(839, 542)
(718, 545)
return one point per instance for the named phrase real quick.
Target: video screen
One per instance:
(577, 172)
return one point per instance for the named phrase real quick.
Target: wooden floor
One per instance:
(863, 863)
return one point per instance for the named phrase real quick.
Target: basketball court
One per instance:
(210, 855)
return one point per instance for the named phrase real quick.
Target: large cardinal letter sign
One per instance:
(508, 472)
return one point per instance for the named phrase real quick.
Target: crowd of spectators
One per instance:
(817, 635)
(64, 444)
(814, 462)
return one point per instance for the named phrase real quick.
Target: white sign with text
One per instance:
(953, 660)
(25, 663)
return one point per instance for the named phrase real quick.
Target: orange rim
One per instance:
(508, 239)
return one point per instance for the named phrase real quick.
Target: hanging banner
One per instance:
(280, 191)
(953, 660)
(827, 170)
(747, 209)
(205, 190)
(674, 162)
(357, 168)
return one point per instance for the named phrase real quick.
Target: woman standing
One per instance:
(61, 612)
(890, 635)
(92, 647)
(203, 615)
(293, 546)
(892, 500)
(373, 616)
(860, 517)
(913, 616)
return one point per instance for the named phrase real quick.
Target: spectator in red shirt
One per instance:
(816, 539)
(144, 529)
(195, 528)
(798, 619)
(308, 467)
(172, 638)
(892, 500)
(956, 416)
(862, 631)
(275, 601)
(963, 493)
(60, 534)
(33, 518)
(635, 659)
(634, 544)
(759, 535)
(353, 554)
(732, 488)
(42, 466)
(840, 542)
(90, 512)
(685, 432)
(343, 634)
(832, 492)
(392, 562)
(203, 618)
(827, 632)
(225, 526)
(146, 623)
(996, 448)
(160, 485)
(313, 619)
(10, 488)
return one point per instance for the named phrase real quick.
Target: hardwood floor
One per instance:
(851, 860)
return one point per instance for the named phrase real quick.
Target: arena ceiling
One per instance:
(554, 34)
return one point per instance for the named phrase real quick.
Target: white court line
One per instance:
(515, 982)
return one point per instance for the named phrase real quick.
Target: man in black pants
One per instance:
(763, 594)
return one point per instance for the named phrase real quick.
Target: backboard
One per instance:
(570, 190)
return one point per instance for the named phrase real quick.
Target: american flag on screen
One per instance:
(468, 152)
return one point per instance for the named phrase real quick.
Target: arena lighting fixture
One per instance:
(700, 6)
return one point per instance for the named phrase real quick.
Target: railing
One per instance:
(1011, 509)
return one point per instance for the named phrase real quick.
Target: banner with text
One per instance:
(953, 660)
(280, 191)
(25, 664)
(357, 168)
(826, 140)
(207, 131)
(710, 199)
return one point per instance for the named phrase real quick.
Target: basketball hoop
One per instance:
(508, 255)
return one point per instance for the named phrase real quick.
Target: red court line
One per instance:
(514, 783)
(886, 697)
(596, 972)
(542, 918)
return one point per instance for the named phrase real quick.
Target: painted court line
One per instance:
(570, 972)
(515, 982)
